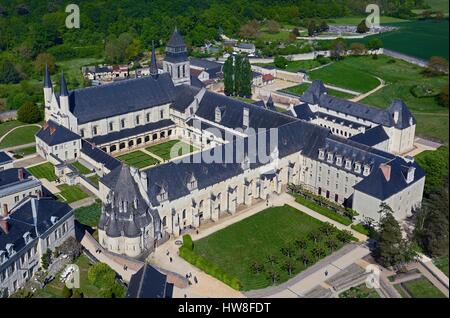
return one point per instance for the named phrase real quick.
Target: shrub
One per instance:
(77, 294)
(187, 242)
(101, 276)
(66, 292)
(29, 113)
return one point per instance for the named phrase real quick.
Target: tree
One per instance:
(9, 73)
(250, 30)
(443, 97)
(228, 76)
(133, 50)
(391, 249)
(344, 236)
(312, 28)
(70, 247)
(338, 48)
(374, 44)
(42, 60)
(101, 276)
(296, 32)
(358, 48)
(257, 267)
(289, 266)
(273, 276)
(327, 229)
(46, 259)
(280, 62)
(273, 26)
(301, 243)
(332, 243)
(436, 66)
(29, 113)
(425, 15)
(246, 78)
(314, 235)
(272, 259)
(362, 27)
(305, 258)
(324, 26)
(318, 251)
(287, 251)
(439, 15)
(237, 74)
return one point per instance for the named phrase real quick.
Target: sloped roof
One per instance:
(176, 40)
(99, 156)
(4, 157)
(184, 96)
(371, 137)
(54, 134)
(405, 118)
(149, 283)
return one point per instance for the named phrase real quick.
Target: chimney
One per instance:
(20, 174)
(245, 119)
(5, 211)
(386, 170)
(4, 226)
(395, 116)
(410, 175)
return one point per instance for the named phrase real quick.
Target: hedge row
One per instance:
(189, 255)
(67, 52)
(187, 242)
(324, 211)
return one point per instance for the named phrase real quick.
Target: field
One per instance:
(235, 248)
(94, 179)
(295, 66)
(401, 77)
(360, 291)
(22, 152)
(72, 71)
(442, 264)
(358, 19)
(82, 169)
(421, 39)
(339, 74)
(300, 89)
(322, 210)
(71, 194)
(8, 125)
(20, 136)
(422, 288)
(43, 171)
(138, 159)
(163, 150)
(89, 215)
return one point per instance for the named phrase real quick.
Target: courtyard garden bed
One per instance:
(89, 215)
(265, 249)
(422, 288)
(70, 193)
(81, 168)
(163, 150)
(361, 291)
(442, 264)
(43, 171)
(23, 152)
(138, 159)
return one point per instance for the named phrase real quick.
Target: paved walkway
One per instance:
(29, 161)
(82, 203)
(421, 145)
(362, 96)
(336, 88)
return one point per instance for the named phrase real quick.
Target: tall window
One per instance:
(178, 71)
(137, 120)
(122, 123)
(161, 114)
(148, 117)
(111, 126)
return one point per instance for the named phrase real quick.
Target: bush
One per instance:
(29, 113)
(66, 292)
(77, 294)
(187, 242)
(101, 276)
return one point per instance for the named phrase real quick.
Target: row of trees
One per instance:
(238, 76)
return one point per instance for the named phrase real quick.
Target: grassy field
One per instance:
(89, 215)
(421, 39)
(72, 71)
(401, 77)
(25, 151)
(71, 194)
(20, 136)
(8, 125)
(82, 169)
(442, 264)
(94, 179)
(357, 19)
(422, 288)
(236, 247)
(339, 74)
(43, 171)
(163, 150)
(360, 291)
(300, 89)
(295, 66)
(138, 159)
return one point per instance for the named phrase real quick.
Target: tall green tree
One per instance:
(8, 73)
(228, 76)
(246, 78)
(237, 74)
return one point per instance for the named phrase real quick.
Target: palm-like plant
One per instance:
(314, 235)
(305, 258)
(272, 259)
(289, 266)
(327, 228)
(273, 276)
(287, 251)
(332, 243)
(256, 267)
(301, 243)
(318, 251)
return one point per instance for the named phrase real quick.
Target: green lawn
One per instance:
(163, 150)
(72, 71)
(357, 19)
(81, 168)
(94, 179)
(300, 89)
(322, 210)
(22, 152)
(340, 75)
(43, 171)
(442, 264)
(295, 66)
(361, 228)
(20, 136)
(138, 159)
(71, 194)
(361, 291)
(89, 215)
(8, 125)
(253, 239)
(422, 288)
(54, 288)
(401, 77)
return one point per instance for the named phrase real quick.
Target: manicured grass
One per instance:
(300, 89)
(324, 211)
(138, 159)
(442, 264)
(401, 291)
(55, 287)
(361, 291)
(295, 66)
(20, 136)
(355, 20)
(81, 168)
(43, 171)
(340, 75)
(361, 228)
(163, 150)
(94, 179)
(235, 248)
(25, 151)
(8, 125)
(89, 215)
(71, 194)
(72, 70)
(422, 288)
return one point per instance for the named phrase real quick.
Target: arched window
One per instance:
(184, 214)
(164, 221)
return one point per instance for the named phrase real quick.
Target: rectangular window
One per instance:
(111, 126)
(161, 113)
(137, 120)
(122, 123)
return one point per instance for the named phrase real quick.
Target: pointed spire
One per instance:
(270, 104)
(63, 90)
(47, 78)
(153, 65)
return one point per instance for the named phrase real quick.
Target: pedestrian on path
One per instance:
(170, 259)
(195, 279)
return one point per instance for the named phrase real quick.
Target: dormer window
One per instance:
(330, 157)
(10, 249)
(339, 160)
(410, 175)
(191, 182)
(94, 130)
(54, 219)
(2, 257)
(82, 133)
(162, 196)
(321, 154)
(366, 170)
(348, 164)
(357, 167)
(27, 237)
(218, 115)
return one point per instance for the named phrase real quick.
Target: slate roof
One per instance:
(184, 96)
(205, 64)
(149, 283)
(63, 88)
(53, 133)
(10, 176)
(5, 158)
(377, 186)
(21, 220)
(371, 137)
(176, 40)
(195, 82)
(125, 133)
(94, 103)
(405, 118)
(47, 78)
(303, 112)
(99, 156)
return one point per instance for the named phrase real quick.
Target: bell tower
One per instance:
(176, 62)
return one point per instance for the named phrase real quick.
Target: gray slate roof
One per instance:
(148, 282)
(371, 137)
(99, 156)
(53, 133)
(4, 158)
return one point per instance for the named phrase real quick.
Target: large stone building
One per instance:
(247, 152)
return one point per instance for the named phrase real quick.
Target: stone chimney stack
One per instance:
(396, 115)
(4, 219)
(20, 174)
